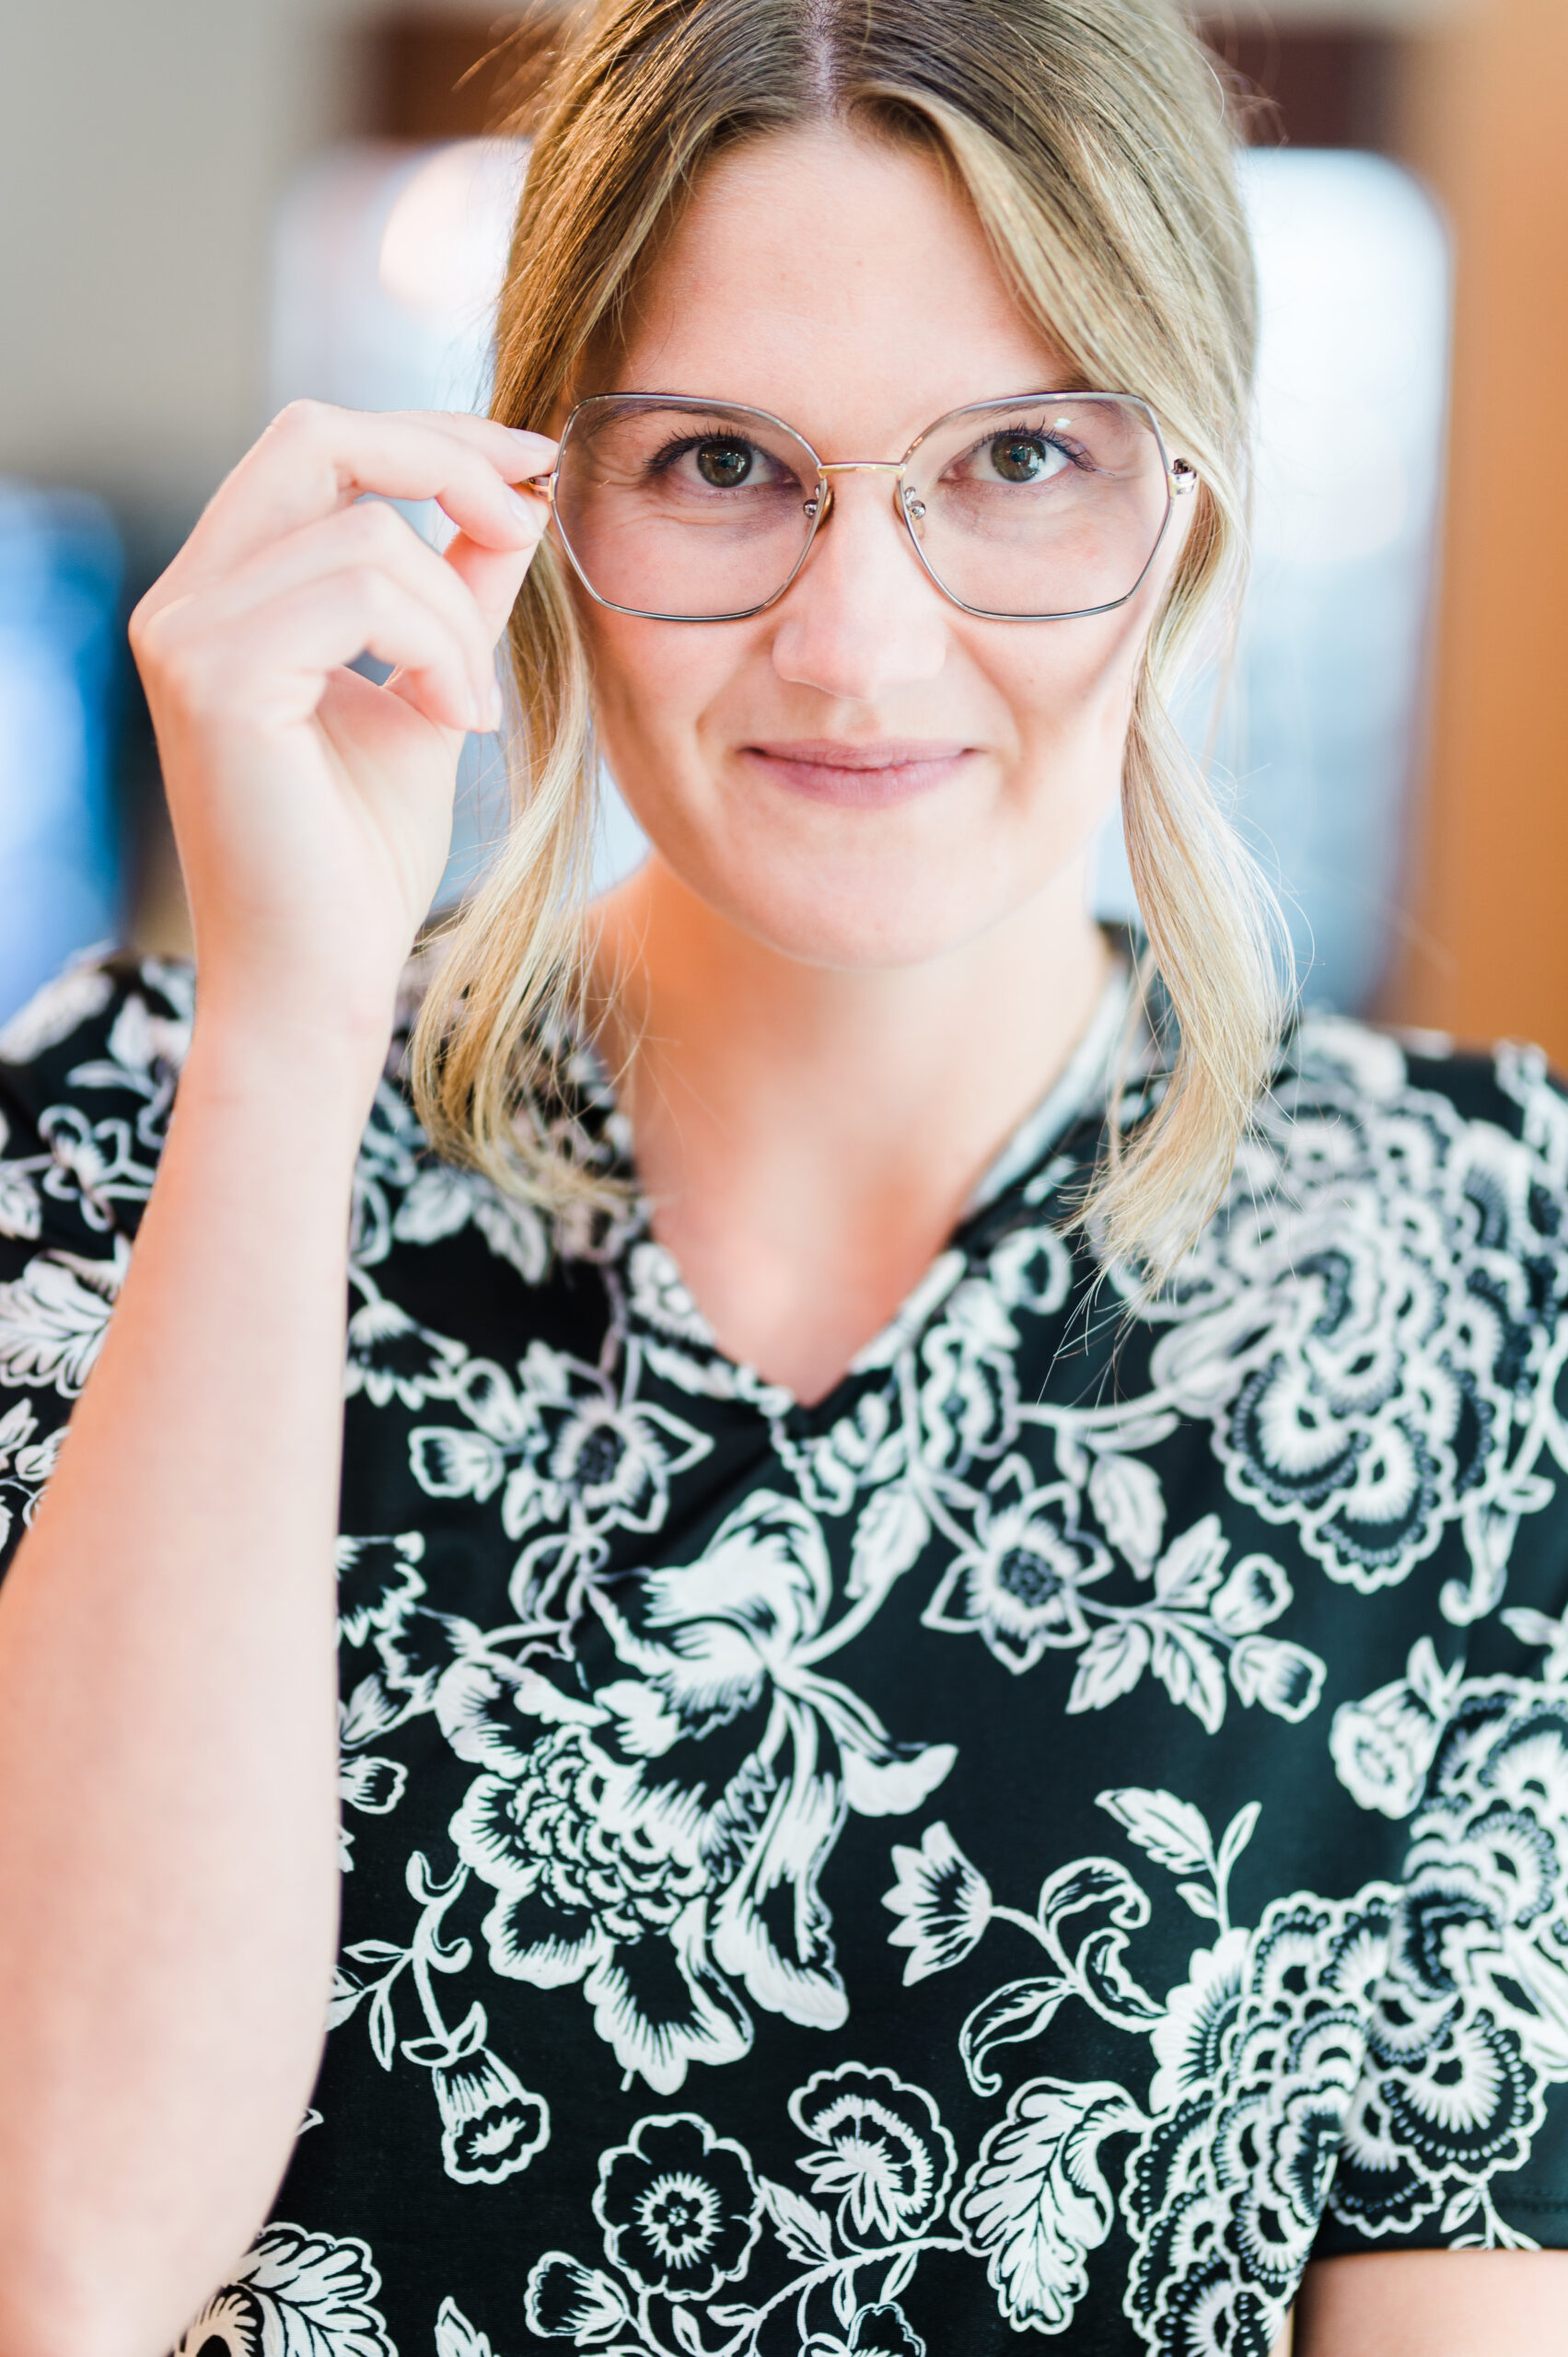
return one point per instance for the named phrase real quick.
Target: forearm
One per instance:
(1436, 2304)
(167, 1726)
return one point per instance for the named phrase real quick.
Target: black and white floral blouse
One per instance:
(1040, 1842)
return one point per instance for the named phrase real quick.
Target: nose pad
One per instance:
(907, 504)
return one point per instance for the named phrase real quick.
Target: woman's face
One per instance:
(838, 282)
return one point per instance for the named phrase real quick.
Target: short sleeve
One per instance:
(1456, 2134)
(88, 1074)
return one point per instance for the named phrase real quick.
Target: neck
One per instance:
(807, 1133)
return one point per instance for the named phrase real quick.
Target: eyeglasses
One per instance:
(1034, 508)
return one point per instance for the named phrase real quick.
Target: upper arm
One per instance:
(1434, 2303)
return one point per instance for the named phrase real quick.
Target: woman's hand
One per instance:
(312, 810)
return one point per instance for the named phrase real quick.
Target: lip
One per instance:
(870, 776)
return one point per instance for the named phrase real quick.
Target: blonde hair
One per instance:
(1092, 140)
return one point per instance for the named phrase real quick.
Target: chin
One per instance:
(854, 922)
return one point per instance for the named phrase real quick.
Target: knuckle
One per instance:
(139, 628)
(377, 529)
(370, 590)
(154, 634)
(301, 421)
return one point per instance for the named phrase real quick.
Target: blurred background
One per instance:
(212, 206)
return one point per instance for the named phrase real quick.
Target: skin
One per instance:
(795, 968)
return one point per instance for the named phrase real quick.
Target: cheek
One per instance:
(652, 684)
(633, 689)
(1068, 685)
(1069, 689)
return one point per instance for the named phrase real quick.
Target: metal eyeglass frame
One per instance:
(1180, 478)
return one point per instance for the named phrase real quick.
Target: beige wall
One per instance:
(142, 146)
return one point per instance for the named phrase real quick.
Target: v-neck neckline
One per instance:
(1083, 1081)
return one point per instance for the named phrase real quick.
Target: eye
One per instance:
(1025, 458)
(724, 464)
(719, 457)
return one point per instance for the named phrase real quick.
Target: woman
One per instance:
(951, 1717)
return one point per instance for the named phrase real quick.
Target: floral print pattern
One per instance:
(680, 2208)
(1041, 1841)
(294, 2292)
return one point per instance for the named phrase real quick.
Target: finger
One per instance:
(370, 533)
(272, 673)
(314, 459)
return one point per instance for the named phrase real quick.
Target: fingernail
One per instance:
(525, 507)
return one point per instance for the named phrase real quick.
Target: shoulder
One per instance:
(88, 1076)
(1454, 1162)
(1448, 1152)
(1370, 1322)
(104, 1006)
(1509, 1088)
(1406, 1160)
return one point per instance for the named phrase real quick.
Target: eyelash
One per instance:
(1074, 452)
(678, 446)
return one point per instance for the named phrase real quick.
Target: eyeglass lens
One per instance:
(1043, 507)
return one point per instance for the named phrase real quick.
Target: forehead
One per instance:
(842, 283)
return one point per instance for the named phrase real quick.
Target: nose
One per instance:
(861, 620)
